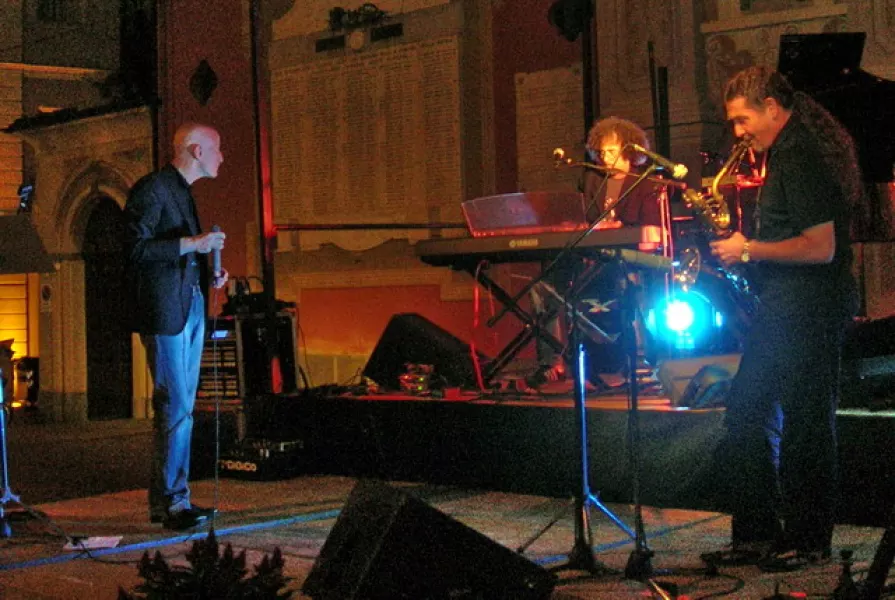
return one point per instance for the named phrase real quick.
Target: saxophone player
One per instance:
(779, 450)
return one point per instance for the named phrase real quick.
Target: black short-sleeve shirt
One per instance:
(801, 192)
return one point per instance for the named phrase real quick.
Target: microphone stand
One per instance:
(581, 557)
(7, 497)
(639, 565)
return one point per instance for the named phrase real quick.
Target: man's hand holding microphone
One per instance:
(211, 242)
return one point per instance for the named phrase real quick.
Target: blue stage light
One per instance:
(679, 316)
(685, 320)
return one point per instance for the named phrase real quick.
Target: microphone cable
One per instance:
(215, 375)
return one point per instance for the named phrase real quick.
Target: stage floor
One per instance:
(527, 444)
(297, 515)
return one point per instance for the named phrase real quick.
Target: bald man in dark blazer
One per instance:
(168, 256)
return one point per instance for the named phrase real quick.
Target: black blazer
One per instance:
(159, 211)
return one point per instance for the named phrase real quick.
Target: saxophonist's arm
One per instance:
(815, 245)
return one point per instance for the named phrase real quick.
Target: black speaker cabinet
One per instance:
(411, 338)
(388, 545)
(234, 359)
(868, 364)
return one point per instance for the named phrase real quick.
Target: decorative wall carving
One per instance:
(877, 18)
(737, 43)
(741, 39)
(723, 59)
(739, 34)
(624, 31)
(312, 16)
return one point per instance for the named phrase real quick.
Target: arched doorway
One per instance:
(109, 383)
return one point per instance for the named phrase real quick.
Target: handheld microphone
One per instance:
(677, 170)
(216, 256)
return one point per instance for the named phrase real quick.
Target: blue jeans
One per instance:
(174, 362)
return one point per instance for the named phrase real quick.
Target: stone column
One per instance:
(63, 386)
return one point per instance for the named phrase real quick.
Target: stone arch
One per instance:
(79, 197)
(91, 189)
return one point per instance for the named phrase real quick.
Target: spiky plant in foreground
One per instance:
(210, 576)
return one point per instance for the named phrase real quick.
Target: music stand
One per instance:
(21, 249)
(8, 497)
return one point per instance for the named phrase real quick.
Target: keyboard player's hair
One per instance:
(627, 132)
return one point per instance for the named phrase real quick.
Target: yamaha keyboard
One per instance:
(465, 251)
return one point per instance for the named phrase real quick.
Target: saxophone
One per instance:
(712, 209)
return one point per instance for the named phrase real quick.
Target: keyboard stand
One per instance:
(533, 325)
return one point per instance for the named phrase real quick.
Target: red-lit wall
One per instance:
(345, 320)
(218, 32)
(350, 321)
(358, 318)
(524, 41)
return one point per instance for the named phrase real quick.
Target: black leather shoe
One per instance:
(203, 511)
(199, 510)
(184, 519)
(739, 554)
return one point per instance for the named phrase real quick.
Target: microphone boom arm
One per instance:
(563, 161)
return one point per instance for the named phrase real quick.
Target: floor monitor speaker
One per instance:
(387, 544)
(411, 338)
(868, 365)
(699, 382)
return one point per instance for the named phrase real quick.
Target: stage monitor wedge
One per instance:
(389, 545)
(411, 338)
